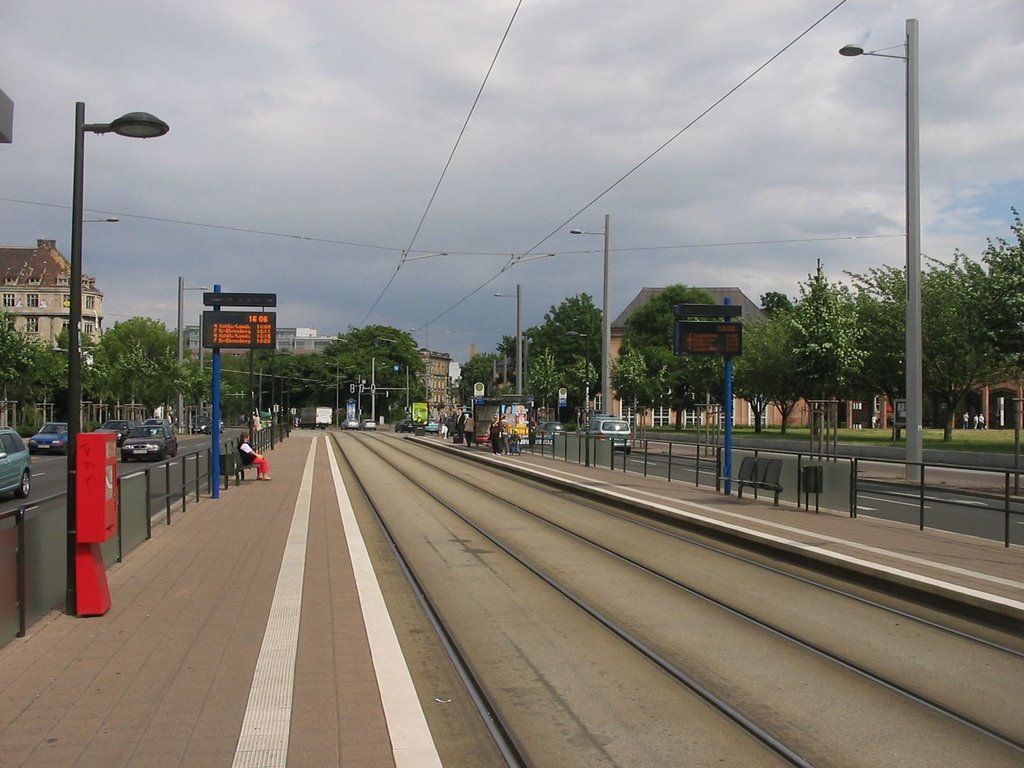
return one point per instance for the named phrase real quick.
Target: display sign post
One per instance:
(717, 336)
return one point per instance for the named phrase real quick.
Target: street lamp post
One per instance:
(914, 383)
(140, 125)
(519, 336)
(606, 327)
(182, 428)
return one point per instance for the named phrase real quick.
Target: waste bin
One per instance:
(812, 478)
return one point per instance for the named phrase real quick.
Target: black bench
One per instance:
(760, 474)
(233, 464)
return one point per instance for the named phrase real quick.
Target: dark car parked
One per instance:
(149, 441)
(119, 427)
(405, 425)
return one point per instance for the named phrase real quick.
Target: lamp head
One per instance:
(851, 50)
(139, 125)
(575, 231)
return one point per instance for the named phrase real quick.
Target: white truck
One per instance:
(315, 418)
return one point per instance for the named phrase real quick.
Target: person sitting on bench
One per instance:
(249, 456)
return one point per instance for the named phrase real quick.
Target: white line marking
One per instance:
(891, 501)
(411, 743)
(263, 740)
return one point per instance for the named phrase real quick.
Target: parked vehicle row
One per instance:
(15, 464)
(150, 441)
(52, 437)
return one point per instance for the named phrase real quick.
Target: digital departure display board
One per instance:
(709, 338)
(240, 330)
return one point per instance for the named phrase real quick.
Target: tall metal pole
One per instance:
(519, 340)
(373, 389)
(74, 406)
(215, 407)
(606, 327)
(915, 387)
(181, 351)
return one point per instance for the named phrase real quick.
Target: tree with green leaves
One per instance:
(828, 351)
(1001, 300)
(773, 302)
(633, 381)
(650, 331)
(570, 330)
(17, 353)
(544, 378)
(955, 348)
(479, 368)
(136, 361)
(881, 307)
(757, 376)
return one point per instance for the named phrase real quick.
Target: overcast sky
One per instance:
(307, 138)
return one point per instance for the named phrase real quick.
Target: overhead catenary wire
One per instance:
(447, 165)
(525, 256)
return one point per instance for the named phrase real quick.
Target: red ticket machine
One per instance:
(96, 518)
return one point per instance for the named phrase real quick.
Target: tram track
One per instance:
(668, 657)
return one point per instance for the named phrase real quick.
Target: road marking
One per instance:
(263, 740)
(411, 743)
(891, 501)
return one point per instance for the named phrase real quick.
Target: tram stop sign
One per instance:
(708, 339)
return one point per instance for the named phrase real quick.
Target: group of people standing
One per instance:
(462, 426)
(979, 421)
(506, 435)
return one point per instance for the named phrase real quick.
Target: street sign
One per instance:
(240, 330)
(723, 311)
(240, 299)
(708, 339)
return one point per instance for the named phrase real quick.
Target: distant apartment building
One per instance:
(36, 291)
(437, 378)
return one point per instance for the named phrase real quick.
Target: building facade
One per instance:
(437, 379)
(35, 290)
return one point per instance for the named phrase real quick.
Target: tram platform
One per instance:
(201, 663)
(252, 631)
(961, 572)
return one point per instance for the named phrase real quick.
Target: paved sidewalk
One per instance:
(171, 675)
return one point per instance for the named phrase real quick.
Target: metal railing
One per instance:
(33, 553)
(953, 497)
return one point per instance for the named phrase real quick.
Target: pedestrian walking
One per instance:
(494, 432)
(468, 433)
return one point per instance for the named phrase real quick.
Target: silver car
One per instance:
(615, 430)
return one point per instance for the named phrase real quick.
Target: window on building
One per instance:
(32, 324)
(88, 328)
(33, 300)
(90, 302)
(8, 299)
(662, 416)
